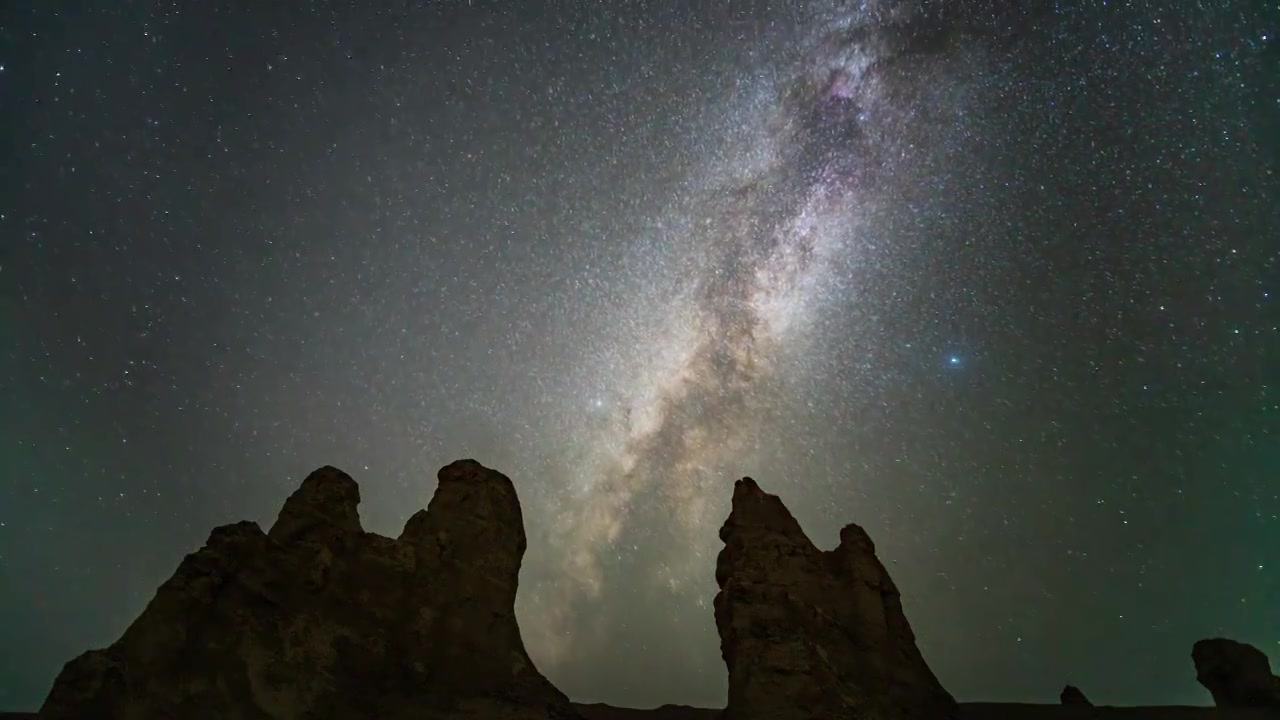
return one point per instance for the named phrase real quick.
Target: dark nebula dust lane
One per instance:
(835, 130)
(994, 280)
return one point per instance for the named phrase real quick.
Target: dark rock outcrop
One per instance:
(600, 711)
(812, 634)
(319, 619)
(1236, 674)
(1072, 695)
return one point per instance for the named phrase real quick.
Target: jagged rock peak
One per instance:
(1072, 695)
(812, 634)
(762, 519)
(482, 500)
(1236, 674)
(327, 500)
(472, 534)
(756, 508)
(320, 619)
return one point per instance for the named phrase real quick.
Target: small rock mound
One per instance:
(1236, 674)
(318, 618)
(808, 634)
(1072, 695)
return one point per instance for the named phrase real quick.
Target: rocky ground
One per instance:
(600, 711)
(1016, 711)
(966, 711)
(974, 711)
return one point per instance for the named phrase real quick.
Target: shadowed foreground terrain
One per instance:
(317, 618)
(974, 711)
(966, 711)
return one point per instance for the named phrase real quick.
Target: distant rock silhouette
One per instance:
(811, 635)
(600, 711)
(1071, 695)
(319, 619)
(1236, 674)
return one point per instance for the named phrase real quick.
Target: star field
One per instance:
(995, 281)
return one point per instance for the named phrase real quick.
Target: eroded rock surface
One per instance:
(319, 619)
(1236, 674)
(812, 634)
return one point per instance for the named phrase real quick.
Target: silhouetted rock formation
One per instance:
(1236, 674)
(320, 619)
(1071, 695)
(812, 634)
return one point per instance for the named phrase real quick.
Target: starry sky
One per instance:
(997, 281)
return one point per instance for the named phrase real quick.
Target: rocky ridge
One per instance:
(318, 619)
(813, 634)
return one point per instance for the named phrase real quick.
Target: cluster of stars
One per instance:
(996, 284)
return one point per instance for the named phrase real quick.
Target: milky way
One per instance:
(833, 138)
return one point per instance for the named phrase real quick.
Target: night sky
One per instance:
(997, 282)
